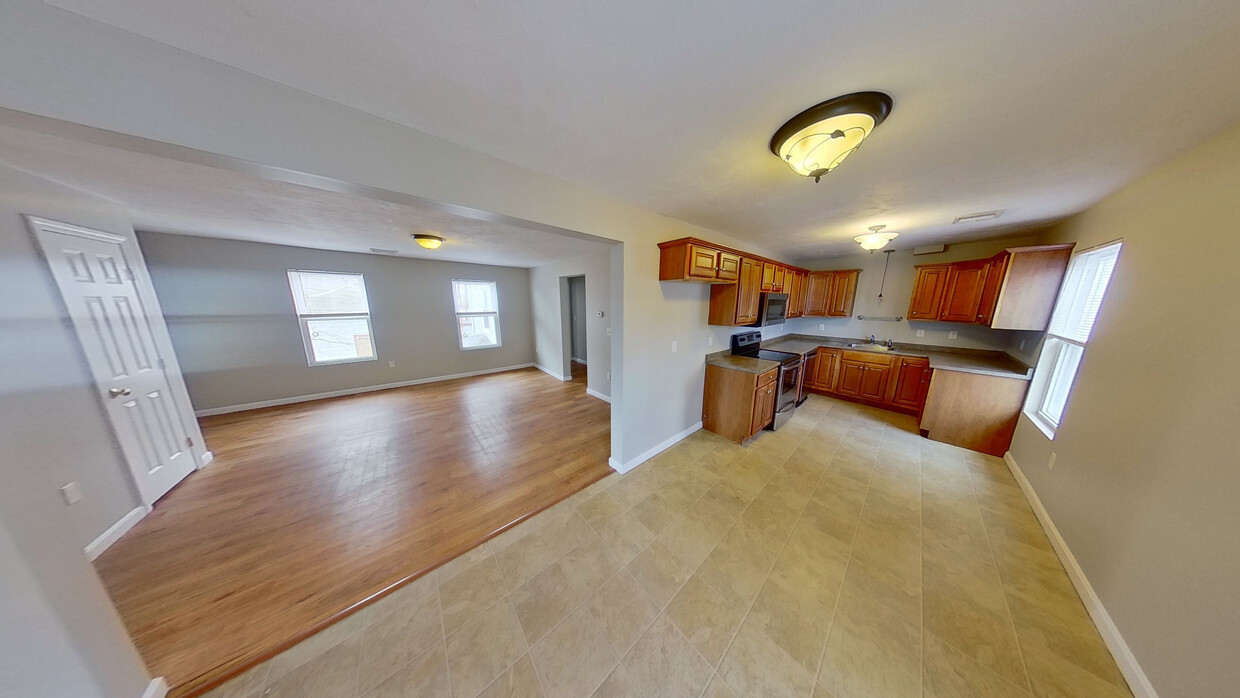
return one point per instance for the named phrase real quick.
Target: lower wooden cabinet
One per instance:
(899, 382)
(738, 404)
(910, 381)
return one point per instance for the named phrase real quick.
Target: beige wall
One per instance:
(236, 334)
(547, 290)
(896, 295)
(54, 431)
(1146, 480)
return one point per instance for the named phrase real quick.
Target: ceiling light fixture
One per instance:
(875, 240)
(818, 139)
(430, 242)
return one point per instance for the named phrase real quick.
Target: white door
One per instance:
(111, 321)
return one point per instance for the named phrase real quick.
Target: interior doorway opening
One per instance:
(577, 321)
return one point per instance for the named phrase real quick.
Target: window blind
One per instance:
(1088, 275)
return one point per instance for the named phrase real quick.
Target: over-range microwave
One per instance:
(774, 309)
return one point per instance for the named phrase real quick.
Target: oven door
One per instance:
(774, 309)
(788, 390)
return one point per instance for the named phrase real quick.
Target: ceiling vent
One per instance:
(977, 217)
(380, 250)
(929, 249)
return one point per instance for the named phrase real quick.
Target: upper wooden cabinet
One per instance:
(928, 291)
(688, 259)
(737, 304)
(1014, 290)
(794, 286)
(831, 293)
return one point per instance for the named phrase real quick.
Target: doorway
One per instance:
(577, 321)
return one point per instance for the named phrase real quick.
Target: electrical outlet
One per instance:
(609, 376)
(1022, 345)
(921, 333)
(710, 341)
(599, 314)
(953, 334)
(674, 345)
(72, 493)
(391, 364)
(1050, 464)
(822, 327)
(608, 331)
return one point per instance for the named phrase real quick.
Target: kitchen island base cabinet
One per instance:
(973, 411)
(738, 404)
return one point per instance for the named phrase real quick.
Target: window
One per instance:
(1084, 285)
(477, 313)
(334, 316)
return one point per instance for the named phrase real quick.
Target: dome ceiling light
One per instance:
(875, 240)
(818, 139)
(430, 242)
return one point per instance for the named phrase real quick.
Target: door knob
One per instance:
(119, 392)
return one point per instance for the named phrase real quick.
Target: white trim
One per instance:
(671, 441)
(598, 395)
(205, 459)
(353, 391)
(157, 688)
(580, 361)
(553, 374)
(105, 540)
(1138, 682)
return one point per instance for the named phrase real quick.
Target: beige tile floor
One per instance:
(842, 556)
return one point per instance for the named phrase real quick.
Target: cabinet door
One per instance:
(912, 377)
(928, 292)
(996, 269)
(824, 373)
(768, 276)
(874, 382)
(792, 286)
(843, 291)
(819, 288)
(763, 408)
(777, 285)
(851, 375)
(729, 266)
(811, 370)
(963, 291)
(747, 292)
(703, 262)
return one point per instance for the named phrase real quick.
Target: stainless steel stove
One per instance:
(790, 366)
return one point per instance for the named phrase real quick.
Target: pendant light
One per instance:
(875, 240)
(430, 242)
(818, 139)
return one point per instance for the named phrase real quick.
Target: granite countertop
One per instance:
(748, 364)
(987, 363)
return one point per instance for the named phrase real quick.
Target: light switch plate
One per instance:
(953, 334)
(72, 493)
(1050, 464)
(710, 341)
(921, 333)
(391, 364)
(674, 345)
(822, 327)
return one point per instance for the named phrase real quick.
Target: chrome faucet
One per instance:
(890, 344)
(872, 340)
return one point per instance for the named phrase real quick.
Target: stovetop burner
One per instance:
(749, 344)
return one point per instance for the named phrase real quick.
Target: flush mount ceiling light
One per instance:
(818, 139)
(875, 240)
(430, 242)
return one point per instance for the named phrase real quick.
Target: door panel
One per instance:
(928, 292)
(843, 289)
(996, 269)
(702, 262)
(850, 377)
(115, 330)
(819, 287)
(729, 266)
(963, 293)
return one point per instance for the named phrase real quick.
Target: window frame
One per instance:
(1061, 357)
(457, 315)
(304, 318)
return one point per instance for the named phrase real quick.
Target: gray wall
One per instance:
(54, 431)
(1145, 485)
(577, 311)
(896, 295)
(548, 286)
(236, 334)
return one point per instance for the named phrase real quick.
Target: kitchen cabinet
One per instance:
(738, 404)
(1014, 290)
(777, 285)
(910, 381)
(689, 259)
(737, 304)
(863, 376)
(973, 411)
(831, 293)
(794, 285)
(928, 291)
(822, 377)
(963, 291)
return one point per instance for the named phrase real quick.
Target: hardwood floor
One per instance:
(312, 510)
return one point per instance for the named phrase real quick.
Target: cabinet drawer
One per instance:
(867, 357)
(765, 379)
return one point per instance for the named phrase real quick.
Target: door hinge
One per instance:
(130, 274)
(162, 364)
(189, 441)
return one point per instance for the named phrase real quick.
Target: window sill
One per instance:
(484, 346)
(343, 361)
(1043, 426)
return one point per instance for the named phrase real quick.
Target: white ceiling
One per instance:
(171, 196)
(1039, 108)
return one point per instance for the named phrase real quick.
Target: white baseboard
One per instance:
(354, 391)
(205, 459)
(105, 540)
(623, 468)
(1138, 682)
(553, 374)
(579, 361)
(598, 395)
(157, 688)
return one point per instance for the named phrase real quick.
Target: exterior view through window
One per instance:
(334, 316)
(1085, 283)
(477, 313)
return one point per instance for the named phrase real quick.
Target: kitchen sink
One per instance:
(869, 347)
